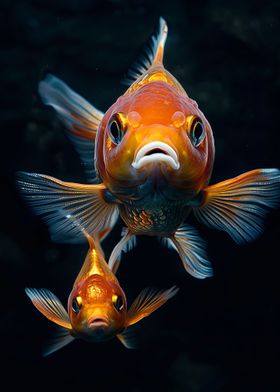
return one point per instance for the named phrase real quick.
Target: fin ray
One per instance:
(62, 203)
(191, 248)
(147, 302)
(239, 205)
(127, 338)
(152, 55)
(60, 338)
(78, 115)
(127, 242)
(50, 306)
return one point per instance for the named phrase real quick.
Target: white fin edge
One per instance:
(126, 243)
(191, 249)
(50, 306)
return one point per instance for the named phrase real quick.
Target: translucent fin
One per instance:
(238, 205)
(93, 240)
(159, 42)
(151, 56)
(131, 243)
(167, 242)
(191, 249)
(127, 242)
(48, 304)
(127, 338)
(86, 151)
(62, 203)
(116, 266)
(61, 338)
(147, 302)
(79, 116)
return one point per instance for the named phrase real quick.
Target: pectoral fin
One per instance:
(48, 304)
(239, 205)
(61, 338)
(147, 302)
(62, 203)
(127, 338)
(79, 116)
(191, 249)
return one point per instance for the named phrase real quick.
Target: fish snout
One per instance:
(156, 152)
(98, 322)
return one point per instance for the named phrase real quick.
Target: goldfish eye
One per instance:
(197, 132)
(116, 130)
(76, 305)
(118, 302)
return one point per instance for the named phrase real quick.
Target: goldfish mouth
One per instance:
(156, 152)
(98, 322)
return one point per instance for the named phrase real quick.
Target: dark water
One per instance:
(216, 335)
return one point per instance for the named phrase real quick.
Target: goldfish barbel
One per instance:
(152, 153)
(97, 306)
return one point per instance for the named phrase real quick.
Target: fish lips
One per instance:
(98, 323)
(156, 153)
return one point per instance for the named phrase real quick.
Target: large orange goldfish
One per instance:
(97, 307)
(153, 157)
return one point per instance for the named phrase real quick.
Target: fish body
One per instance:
(153, 215)
(149, 159)
(154, 198)
(100, 302)
(97, 305)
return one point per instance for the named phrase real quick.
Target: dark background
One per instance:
(216, 335)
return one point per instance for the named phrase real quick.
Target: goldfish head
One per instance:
(97, 309)
(155, 134)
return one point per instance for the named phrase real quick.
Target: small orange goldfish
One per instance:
(153, 157)
(97, 307)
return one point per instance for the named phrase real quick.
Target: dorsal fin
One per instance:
(152, 55)
(159, 42)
